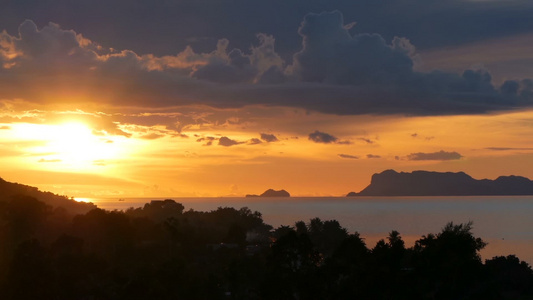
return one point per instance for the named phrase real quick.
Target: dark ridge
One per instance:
(8, 190)
(425, 183)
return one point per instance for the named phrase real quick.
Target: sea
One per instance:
(504, 222)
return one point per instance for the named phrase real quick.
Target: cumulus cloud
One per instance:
(269, 138)
(348, 156)
(334, 72)
(441, 155)
(330, 54)
(322, 137)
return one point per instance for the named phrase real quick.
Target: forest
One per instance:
(162, 251)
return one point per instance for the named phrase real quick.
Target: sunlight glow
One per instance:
(85, 200)
(70, 145)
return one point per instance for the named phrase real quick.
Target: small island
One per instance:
(272, 193)
(425, 183)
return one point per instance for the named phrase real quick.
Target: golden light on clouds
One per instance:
(146, 157)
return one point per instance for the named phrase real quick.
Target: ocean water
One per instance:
(505, 222)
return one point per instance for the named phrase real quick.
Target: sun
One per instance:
(74, 143)
(70, 145)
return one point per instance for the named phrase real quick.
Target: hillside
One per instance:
(10, 189)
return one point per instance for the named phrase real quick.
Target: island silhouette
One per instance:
(272, 193)
(425, 183)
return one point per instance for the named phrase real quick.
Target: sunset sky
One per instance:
(156, 98)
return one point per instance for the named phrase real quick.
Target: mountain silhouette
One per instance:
(425, 183)
(8, 190)
(272, 193)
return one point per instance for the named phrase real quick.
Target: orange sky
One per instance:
(68, 158)
(83, 120)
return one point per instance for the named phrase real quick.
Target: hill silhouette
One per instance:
(272, 193)
(8, 190)
(425, 183)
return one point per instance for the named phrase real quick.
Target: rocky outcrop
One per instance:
(425, 183)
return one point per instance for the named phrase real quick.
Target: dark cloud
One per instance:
(441, 155)
(254, 141)
(334, 72)
(269, 138)
(348, 156)
(372, 156)
(322, 137)
(171, 25)
(208, 140)
(227, 142)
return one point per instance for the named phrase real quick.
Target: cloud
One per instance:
(182, 22)
(372, 156)
(5, 127)
(42, 160)
(348, 156)
(441, 155)
(508, 148)
(427, 138)
(368, 141)
(334, 72)
(227, 142)
(151, 136)
(322, 137)
(269, 138)
(208, 140)
(254, 141)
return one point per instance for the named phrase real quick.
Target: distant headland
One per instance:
(272, 193)
(425, 183)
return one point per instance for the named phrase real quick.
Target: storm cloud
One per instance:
(334, 72)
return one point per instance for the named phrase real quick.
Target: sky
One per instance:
(209, 98)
